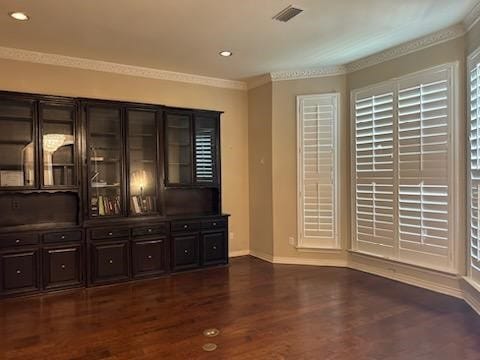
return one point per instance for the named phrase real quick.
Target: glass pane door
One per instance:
(205, 150)
(58, 145)
(105, 161)
(179, 149)
(17, 144)
(142, 149)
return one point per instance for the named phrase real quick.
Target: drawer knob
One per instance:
(19, 272)
(186, 252)
(214, 224)
(110, 261)
(17, 241)
(214, 247)
(185, 226)
(150, 230)
(63, 266)
(63, 237)
(110, 233)
(149, 257)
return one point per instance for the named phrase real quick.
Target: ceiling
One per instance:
(186, 35)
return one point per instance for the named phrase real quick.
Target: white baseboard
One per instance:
(261, 255)
(471, 294)
(238, 253)
(310, 262)
(446, 284)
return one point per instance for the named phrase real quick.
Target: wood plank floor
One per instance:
(263, 311)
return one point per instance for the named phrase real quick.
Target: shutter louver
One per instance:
(374, 173)
(475, 167)
(423, 145)
(317, 173)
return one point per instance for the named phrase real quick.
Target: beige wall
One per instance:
(472, 38)
(260, 170)
(55, 80)
(284, 145)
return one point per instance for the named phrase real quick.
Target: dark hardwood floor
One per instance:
(263, 311)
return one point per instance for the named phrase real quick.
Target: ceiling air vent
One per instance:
(287, 14)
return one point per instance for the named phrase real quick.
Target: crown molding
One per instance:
(472, 17)
(409, 47)
(323, 71)
(122, 69)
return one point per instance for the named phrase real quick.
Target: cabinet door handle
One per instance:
(185, 226)
(110, 234)
(17, 241)
(149, 257)
(18, 272)
(214, 247)
(214, 224)
(63, 266)
(62, 237)
(186, 252)
(110, 261)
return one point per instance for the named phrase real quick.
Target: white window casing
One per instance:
(473, 110)
(317, 169)
(403, 171)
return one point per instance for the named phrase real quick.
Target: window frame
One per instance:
(335, 244)
(473, 60)
(455, 241)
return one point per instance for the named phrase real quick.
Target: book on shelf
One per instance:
(142, 204)
(101, 206)
(94, 207)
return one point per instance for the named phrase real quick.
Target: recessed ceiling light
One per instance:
(18, 15)
(225, 53)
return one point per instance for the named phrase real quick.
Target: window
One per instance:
(474, 168)
(317, 170)
(403, 154)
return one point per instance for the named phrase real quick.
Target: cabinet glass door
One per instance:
(17, 144)
(205, 150)
(142, 151)
(105, 161)
(179, 149)
(58, 145)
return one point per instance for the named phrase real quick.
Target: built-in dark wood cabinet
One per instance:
(96, 192)
(63, 266)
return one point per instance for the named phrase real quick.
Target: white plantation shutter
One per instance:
(474, 175)
(402, 164)
(424, 115)
(204, 150)
(374, 171)
(317, 168)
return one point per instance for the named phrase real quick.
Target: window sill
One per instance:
(324, 249)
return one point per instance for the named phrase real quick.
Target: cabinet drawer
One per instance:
(214, 224)
(185, 252)
(159, 229)
(19, 272)
(149, 257)
(182, 226)
(108, 233)
(63, 267)
(18, 240)
(214, 248)
(110, 262)
(62, 236)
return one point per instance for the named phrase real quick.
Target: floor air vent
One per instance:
(287, 14)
